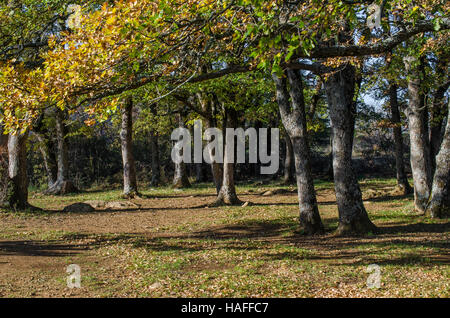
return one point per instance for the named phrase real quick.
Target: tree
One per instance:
(156, 166)
(295, 124)
(288, 161)
(24, 32)
(227, 194)
(417, 123)
(439, 204)
(17, 196)
(402, 180)
(340, 89)
(180, 177)
(62, 184)
(130, 188)
(438, 110)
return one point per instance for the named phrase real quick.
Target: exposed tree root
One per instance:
(131, 195)
(358, 226)
(61, 188)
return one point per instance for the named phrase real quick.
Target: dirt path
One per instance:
(35, 249)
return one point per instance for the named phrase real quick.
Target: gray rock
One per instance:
(120, 205)
(96, 204)
(79, 207)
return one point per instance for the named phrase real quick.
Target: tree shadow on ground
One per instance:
(415, 228)
(38, 248)
(256, 235)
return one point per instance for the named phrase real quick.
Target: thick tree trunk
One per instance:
(288, 161)
(418, 131)
(4, 175)
(438, 114)
(62, 185)
(217, 172)
(329, 169)
(310, 219)
(17, 193)
(340, 89)
(402, 180)
(199, 173)
(156, 165)
(180, 177)
(295, 124)
(439, 205)
(227, 194)
(130, 188)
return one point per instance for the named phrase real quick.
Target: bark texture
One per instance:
(49, 162)
(402, 180)
(418, 131)
(4, 175)
(294, 121)
(180, 177)
(289, 167)
(438, 113)
(199, 173)
(130, 188)
(439, 205)
(227, 194)
(340, 90)
(17, 192)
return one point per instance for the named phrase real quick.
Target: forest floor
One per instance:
(168, 243)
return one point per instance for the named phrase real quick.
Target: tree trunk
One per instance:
(156, 165)
(439, 205)
(62, 185)
(340, 90)
(295, 124)
(288, 161)
(227, 194)
(49, 164)
(199, 173)
(418, 131)
(209, 110)
(438, 114)
(4, 175)
(17, 193)
(180, 177)
(402, 180)
(217, 172)
(130, 188)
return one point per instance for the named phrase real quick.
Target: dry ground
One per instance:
(169, 244)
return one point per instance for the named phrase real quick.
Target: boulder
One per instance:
(121, 205)
(79, 207)
(96, 204)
